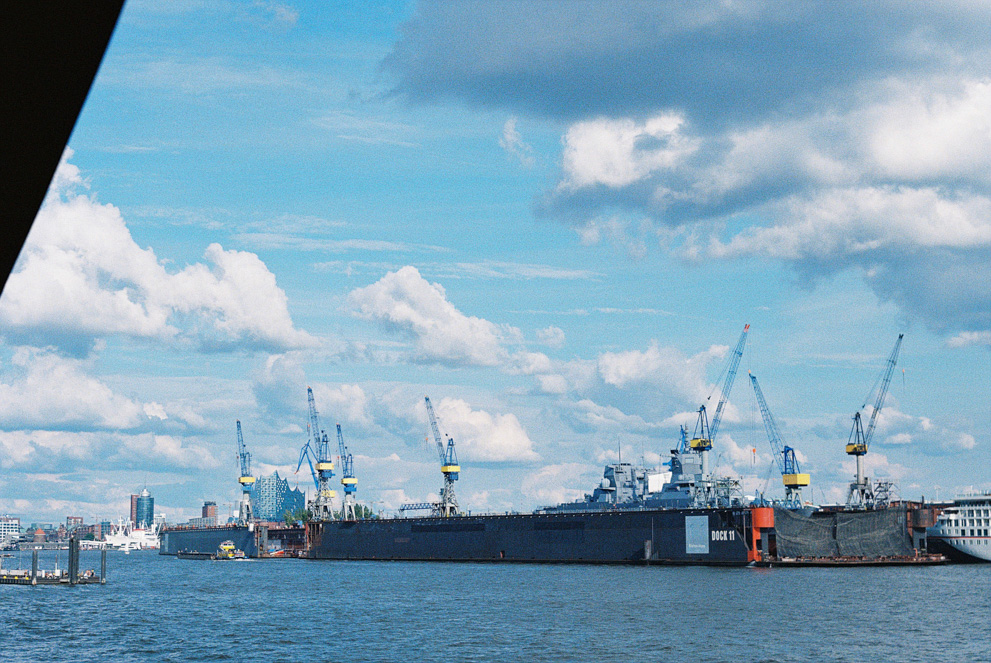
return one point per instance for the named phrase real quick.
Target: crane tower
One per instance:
(705, 433)
(322, 506)
(347, 478)
(448, 505)
(246, 480)
(784, 455)
(861, 492)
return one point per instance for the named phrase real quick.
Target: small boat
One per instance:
(191, 554)
(227, 551)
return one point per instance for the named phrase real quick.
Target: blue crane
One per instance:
(705, 433)
(784, 455)
(861, 492)
(323, 502)
(347, 478)
(321, 464)
(448, 505)
(246, 480)
(307, 454)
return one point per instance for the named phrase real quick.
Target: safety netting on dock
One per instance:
(881, 533)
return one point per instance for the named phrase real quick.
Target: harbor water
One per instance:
(159, 608)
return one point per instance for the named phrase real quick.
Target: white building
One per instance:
(10, 529)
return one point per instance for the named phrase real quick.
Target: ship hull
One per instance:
(701, 536)
(957, 551)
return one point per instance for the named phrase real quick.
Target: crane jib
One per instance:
(730, 378)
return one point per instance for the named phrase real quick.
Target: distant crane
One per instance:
(448, 505)
(347, 478)
(322, 467)
(247, 481)
(705, 433)
(784, 455)
(861, 492)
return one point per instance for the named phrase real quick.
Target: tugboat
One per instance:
(227, 552)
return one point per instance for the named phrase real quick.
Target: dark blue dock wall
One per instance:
(659, 536)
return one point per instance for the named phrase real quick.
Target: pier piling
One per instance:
(73, 560)
(34, 566)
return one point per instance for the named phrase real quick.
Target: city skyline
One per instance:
(554, 223)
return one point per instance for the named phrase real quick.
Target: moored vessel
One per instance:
(962, 531)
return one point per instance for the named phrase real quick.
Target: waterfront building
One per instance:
(72, 522)
(209, 510)
(144, 510)
(134, 509)
(209, 521)
(273, 497)
(10, 529)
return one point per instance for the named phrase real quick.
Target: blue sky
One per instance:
(554, 219)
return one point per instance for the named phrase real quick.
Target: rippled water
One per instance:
(157, 608)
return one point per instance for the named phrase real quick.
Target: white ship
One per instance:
(127, 538)
(964, 528)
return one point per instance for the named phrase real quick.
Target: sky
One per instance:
(553, 219)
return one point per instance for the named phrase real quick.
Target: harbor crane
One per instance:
(247, 481)
(862, 493)
(705, 433)
(321, 464)
(448, 505)
(784, 455)
(347, 478)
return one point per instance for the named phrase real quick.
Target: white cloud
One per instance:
(51, 392)
(483, 437)
(512, 142)
(149, 449)
(617, 153)
(896, 428)
(554, 484)
(876, 466)
(391, 499)
(81, 276)
(63, 451)
(923, 133)
(842, 222)
(607, 417)
(280, 386)
(963, 339)
(405, 301)
(347, 402)
(660, 366)
(877, 183)
(551, 336)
